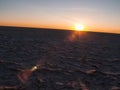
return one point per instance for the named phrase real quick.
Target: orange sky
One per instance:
(60, 26)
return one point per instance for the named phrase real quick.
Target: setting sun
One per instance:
(79, 27)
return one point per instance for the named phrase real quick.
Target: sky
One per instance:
(95, 15)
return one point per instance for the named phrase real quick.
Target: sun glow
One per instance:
(79, 27)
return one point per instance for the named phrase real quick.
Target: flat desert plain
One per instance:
(67, 60)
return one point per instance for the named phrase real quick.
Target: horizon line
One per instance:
(29, 27)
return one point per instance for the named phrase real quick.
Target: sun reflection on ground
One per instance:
(75, 35)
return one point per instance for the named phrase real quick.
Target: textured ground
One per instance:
(87, 61)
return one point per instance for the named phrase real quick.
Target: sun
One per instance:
(79, 27)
